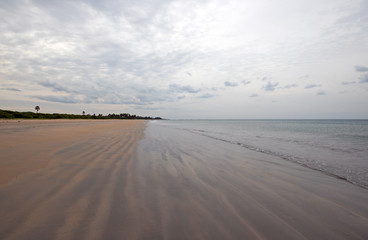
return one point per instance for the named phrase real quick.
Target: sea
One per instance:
(338, 148)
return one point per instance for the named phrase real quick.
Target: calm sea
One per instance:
(335, 147)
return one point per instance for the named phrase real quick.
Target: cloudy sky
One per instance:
(186, 59)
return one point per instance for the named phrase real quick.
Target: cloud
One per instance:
(364, 78)
(361, 69)
(134, 95)
(114, 93)
(11, 89)
(304, 76)
(181, 89)
(56, 87)
(148, 108)
(290, 86)
(254, 95)
(312, 86)
(321, 93)
(207, 95)
(93, 53)
(270, 86)
(152, 53)
(348, 83)
(58, 99)
(230, 84)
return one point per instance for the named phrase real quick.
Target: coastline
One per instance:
(129, 179)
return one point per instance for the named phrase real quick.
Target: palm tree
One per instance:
(37, 108)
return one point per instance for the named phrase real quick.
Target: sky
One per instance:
(183, 59)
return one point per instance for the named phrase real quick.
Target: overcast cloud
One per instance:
(312, 86)
(270, 86)
(230, 84)
(186, 59)
(361, 69)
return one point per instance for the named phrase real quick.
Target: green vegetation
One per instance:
(31, 115)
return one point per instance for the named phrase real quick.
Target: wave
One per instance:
(354, 176)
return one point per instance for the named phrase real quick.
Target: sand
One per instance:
(63, 179)
(120, 180)
(194, 187)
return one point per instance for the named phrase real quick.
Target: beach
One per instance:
(127, 179)
(64, 179)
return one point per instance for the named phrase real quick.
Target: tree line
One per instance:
(8, 114)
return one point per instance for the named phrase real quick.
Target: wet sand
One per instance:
(120, 180)
(66, 179)
(194, 187)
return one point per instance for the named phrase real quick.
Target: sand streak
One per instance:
(91, 180)
(67, 179)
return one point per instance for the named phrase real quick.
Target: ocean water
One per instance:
(335, 147)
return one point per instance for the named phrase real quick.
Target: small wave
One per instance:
(319, 145)
(353, 177)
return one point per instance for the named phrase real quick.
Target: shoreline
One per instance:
(114, 179)
(225, 191)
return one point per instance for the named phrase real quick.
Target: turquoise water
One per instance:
(335, 147)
